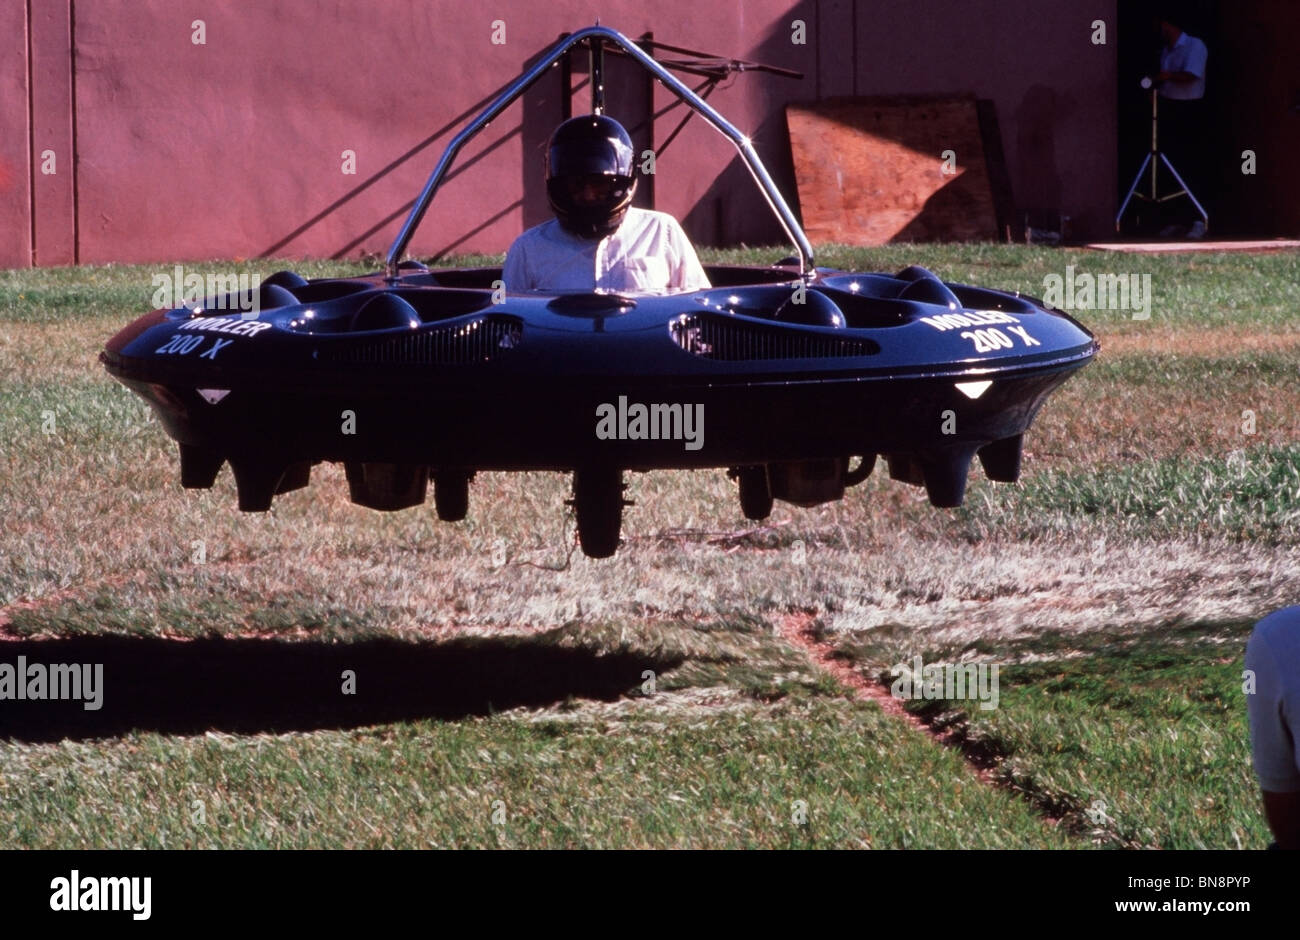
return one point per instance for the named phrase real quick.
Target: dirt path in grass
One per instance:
(797, 628)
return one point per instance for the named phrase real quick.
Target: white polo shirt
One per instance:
(648, 252)
(1273, 654)
(1187, 55)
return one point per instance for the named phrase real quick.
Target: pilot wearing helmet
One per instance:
(598, 239)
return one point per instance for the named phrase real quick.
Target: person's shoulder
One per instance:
(1280, 627)
(545, 231)
(651, 215)
(652, 219)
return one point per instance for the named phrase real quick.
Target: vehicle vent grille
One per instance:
(480, 340)
(723, 338)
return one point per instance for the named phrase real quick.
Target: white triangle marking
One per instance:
(974, 389)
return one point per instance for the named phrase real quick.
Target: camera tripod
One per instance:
(1153, 160)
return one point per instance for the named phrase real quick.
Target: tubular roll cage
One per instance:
(596, 37)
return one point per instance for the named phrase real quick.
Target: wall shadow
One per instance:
(540, 114)
(961, 207)
(282, 242)
(629, 97)
(732, 210)
(714, 221)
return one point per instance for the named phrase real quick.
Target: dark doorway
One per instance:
(1252, 104)
(1138, 53)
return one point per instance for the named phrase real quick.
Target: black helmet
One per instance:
(589, 175)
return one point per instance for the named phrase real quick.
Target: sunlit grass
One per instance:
(1148, 499)
(1135, 740)
(804, 775)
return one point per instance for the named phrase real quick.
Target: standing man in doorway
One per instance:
(1184, 126)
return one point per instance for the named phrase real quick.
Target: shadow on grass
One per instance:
(249, 686)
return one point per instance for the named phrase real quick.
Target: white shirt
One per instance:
(1273, 654)
(1187, 55)
(648, 252)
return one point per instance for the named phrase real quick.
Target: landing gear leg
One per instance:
(451, 494)
(755, 491)
(598, 502)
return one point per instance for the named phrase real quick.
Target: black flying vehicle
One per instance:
(796, 378)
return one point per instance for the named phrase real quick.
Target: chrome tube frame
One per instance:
(516, 88)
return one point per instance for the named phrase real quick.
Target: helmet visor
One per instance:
(607, 157)
(593, 189)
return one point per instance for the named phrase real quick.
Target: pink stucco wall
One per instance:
(15, 142)
(233, 148)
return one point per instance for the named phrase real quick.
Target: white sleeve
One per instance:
(1196, 57)
(688, 273)
(1272, 739)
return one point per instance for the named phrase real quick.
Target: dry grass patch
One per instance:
(1234, 341)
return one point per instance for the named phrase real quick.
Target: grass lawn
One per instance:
(511, 692)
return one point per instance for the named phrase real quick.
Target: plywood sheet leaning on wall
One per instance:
(876, 170)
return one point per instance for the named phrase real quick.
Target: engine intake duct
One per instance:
(1001, 459)
(387, 487)
(732, 339)
(199, 467)
(482, 339)
(943, 473)
(808, 482)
